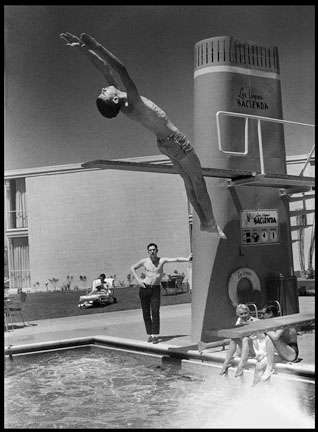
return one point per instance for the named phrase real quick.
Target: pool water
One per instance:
(102, 388)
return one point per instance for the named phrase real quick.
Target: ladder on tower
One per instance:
(302, 221)
(289, 183)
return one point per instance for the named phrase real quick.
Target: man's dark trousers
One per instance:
(150, 304)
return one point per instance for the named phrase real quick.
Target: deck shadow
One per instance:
(168, 337)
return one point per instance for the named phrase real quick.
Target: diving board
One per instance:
(238, 177)
(164, 168)
(292, 320)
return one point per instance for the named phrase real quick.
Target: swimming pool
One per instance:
(93, 387)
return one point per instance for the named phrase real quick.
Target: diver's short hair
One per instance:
(107, 108)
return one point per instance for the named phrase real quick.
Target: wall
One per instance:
(88, 222)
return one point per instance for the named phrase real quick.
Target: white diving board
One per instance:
(292, 320)
(237, 177)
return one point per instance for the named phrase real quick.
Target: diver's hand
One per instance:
(72, 40)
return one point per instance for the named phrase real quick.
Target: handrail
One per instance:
(255, 308)
(219, 134)
(259, 133)
(307, 161)
(278, 306)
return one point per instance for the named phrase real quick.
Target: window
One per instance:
(16, 203)
(19, 273)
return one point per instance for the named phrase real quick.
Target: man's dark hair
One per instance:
(107, 108)
(102, 276)
(152, 244)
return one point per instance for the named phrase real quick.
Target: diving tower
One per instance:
(239, 134)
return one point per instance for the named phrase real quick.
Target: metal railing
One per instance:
(254, 307)
(259, 133)
(310, 154)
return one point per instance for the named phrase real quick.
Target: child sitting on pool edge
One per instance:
(244, 344)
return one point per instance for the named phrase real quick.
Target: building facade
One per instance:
(67, 223)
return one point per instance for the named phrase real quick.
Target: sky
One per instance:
(50, 89)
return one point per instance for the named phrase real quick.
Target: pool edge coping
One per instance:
(173, 351)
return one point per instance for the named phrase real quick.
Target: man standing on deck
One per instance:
(149, 288)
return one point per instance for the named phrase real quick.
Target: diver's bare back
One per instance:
(151, 117)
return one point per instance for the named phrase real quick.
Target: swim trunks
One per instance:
(175, 145)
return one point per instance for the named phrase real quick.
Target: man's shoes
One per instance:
(150, 339)
(155, 340)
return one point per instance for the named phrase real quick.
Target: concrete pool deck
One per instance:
(128, 325)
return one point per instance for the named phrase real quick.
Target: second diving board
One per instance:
(292, 320)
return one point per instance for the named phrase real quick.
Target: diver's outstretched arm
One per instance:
(75, 42)
(130, 87)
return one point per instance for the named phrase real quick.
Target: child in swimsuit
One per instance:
(244, 344)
